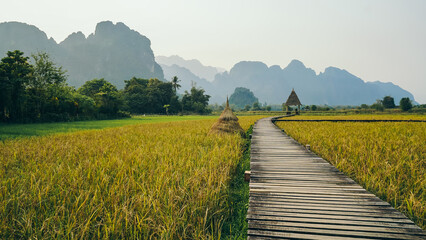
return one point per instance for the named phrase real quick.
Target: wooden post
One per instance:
(247, 176)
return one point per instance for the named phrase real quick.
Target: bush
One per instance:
(405, 104)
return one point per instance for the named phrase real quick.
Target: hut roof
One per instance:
(293, 99)
(227, 122)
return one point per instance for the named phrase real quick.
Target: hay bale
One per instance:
(227, 123)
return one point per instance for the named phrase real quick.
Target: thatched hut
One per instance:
(227, 123)
(293, 100)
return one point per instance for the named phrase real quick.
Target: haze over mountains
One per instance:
(117, 53)
(196, 67)
(114, 52)
(273, 84)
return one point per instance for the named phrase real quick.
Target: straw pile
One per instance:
(227, 123)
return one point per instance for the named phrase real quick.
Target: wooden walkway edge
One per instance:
(294, 194)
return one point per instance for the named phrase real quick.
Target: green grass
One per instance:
(10, 131)
(236, 226)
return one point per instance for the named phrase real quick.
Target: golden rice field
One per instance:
(364, 117)
(387, 159)
(162, 180)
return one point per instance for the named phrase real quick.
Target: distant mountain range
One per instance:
(273, 84)
(117, 53)
(196, 67)
(114, 52)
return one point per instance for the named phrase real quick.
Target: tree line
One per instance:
(37, 91)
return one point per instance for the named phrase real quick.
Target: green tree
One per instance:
(175, 83)
(85, 105)
(15, 73)
(314, 107)
(364, 106)
(92, 87)
(388, 102)
(405, 104)
(256, 106)
(150, 96)
(105, 94)
(378, 105)
(47, 82)
(196, 101)
(135, 95)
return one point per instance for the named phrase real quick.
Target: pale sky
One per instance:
(382, 40)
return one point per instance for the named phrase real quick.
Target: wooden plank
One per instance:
(342, 219)
(285, 200)
(334, 232)
(263, 234)
(318, 214)
(319, 198)
(294, 194)
(327, 209)
(341, 226)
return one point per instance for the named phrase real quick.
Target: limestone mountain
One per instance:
(113, 51)
(242, 97)
(24, 37)
(196, 67)
(186, 77)
(333, 87)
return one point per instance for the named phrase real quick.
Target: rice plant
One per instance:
(163, 180)
(387, 159)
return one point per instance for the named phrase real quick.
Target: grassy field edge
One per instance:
(235, 227)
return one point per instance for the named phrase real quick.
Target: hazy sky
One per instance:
(382, 40)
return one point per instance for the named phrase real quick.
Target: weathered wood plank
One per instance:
(314, 229)
(262, 234)
(336, 219)
(329, 214)
(294, 194)
(340, 226)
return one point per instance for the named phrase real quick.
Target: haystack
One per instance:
(227, 123)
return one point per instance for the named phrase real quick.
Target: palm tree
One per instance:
(175, 83)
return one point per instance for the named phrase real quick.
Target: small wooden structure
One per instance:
(293, 100)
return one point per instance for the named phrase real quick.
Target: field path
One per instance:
(294, 194)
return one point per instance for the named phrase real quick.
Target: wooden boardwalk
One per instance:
(294, 194)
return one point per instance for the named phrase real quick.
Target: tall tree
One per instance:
(405, 104)
(15, 73)
(388, 102)
(196, 101)
(175, 83)
(105, 94)
(48, 82)
(149, 96)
